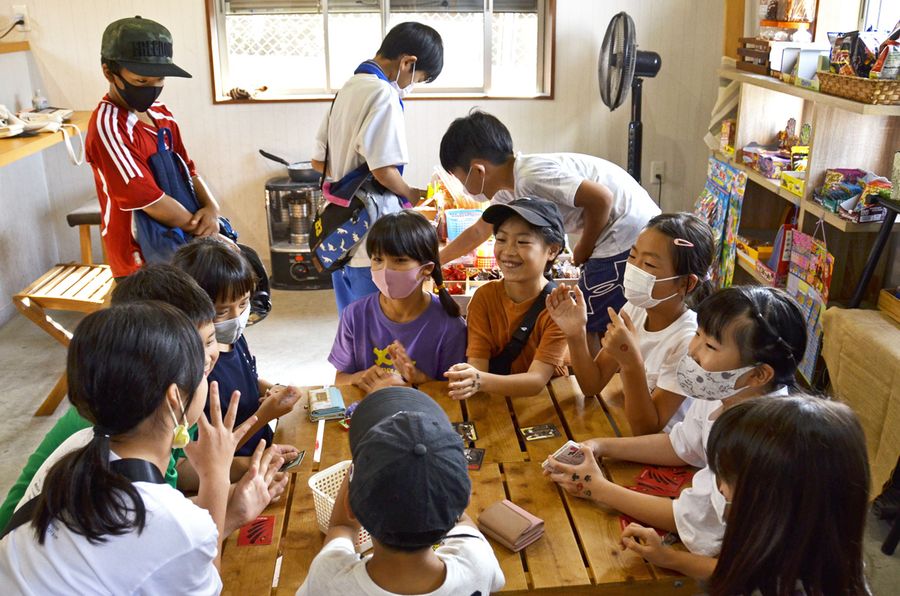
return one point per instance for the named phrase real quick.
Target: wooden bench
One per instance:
(79, 287)
(578, 553)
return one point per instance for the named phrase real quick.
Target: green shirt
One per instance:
(69, 424)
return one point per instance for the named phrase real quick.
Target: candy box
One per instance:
(793, 181)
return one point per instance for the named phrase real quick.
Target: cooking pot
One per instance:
(299, 171)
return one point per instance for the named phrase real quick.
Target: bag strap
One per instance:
(502, 362)
(136, 470)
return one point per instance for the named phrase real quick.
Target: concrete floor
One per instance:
(291, 346)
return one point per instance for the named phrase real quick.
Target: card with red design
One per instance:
(664, 481)
(259, 532)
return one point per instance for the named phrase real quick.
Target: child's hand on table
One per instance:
(569, 314)
(405, 365)
(581, 480)
(253, 492)
(375, 378)
(650, 547)
(620, 340)
(278, 401)
(465, 380)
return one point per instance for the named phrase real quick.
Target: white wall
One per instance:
(223, 139)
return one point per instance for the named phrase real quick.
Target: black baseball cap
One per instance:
(537, 212)
(410, 480)
(142, 46)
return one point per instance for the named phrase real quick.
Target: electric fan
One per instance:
(620, 66)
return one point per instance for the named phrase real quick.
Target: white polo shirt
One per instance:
(557, 176)
(662, 351)
(695, 517)
(173, 554)
(366, 126)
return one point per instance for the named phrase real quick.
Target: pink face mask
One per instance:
(397, 285)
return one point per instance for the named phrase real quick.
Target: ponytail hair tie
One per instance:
(438, 288)
(99, 431)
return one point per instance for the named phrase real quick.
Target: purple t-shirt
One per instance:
(435, 341)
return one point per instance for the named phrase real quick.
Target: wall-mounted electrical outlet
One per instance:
(657, 168)
(20, 12)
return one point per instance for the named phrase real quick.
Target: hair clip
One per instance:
(683, 242)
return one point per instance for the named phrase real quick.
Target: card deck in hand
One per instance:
(466, 430)
(474, 457)
(259, 532)
(541, 431)
(570, 453)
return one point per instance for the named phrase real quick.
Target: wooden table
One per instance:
(578, 553)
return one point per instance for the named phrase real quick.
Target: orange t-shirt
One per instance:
(492, 318)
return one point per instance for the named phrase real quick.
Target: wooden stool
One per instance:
(80, 287)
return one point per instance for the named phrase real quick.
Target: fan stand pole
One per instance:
(635, 130)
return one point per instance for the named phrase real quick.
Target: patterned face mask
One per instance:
(700, 383)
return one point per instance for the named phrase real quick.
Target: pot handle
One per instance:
(274, 158)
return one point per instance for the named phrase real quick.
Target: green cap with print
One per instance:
(142, 46)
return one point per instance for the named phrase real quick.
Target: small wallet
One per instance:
(510, 525)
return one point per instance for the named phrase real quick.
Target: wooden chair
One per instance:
(79, 287)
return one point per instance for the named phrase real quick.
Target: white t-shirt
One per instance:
(75, 441)
(556, 176)
(662, 350)
(695, 517)
(366, 126)
(471, 567)
(173, 554)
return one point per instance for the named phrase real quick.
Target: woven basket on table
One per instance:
(872, 91)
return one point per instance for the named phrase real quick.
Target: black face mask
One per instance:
(138, 98)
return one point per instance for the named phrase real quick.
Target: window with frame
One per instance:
(306, 49)
(882, 15)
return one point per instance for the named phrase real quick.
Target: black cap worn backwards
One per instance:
(537, 212)
(142, 46)
(410, 481)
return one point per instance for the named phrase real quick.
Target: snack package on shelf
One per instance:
(887, 67)
(855, 53)
(853, 194)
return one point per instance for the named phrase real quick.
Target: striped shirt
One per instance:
(118, 147)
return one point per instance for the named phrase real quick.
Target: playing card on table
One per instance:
(466, 430)
(474, 458)
(663, 481)
(541, 431)
(258, 532)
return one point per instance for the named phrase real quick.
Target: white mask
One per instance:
(403, 92)
(638, 285)
(480, 197)
(700, 383)
(719, 503)
(228, 332)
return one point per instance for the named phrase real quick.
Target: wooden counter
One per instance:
(15, 148)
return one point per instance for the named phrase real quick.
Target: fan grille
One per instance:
(615, 67)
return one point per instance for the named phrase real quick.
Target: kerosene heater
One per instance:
(290, 210)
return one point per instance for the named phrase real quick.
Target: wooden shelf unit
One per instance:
(15, 148)
(845, 134)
